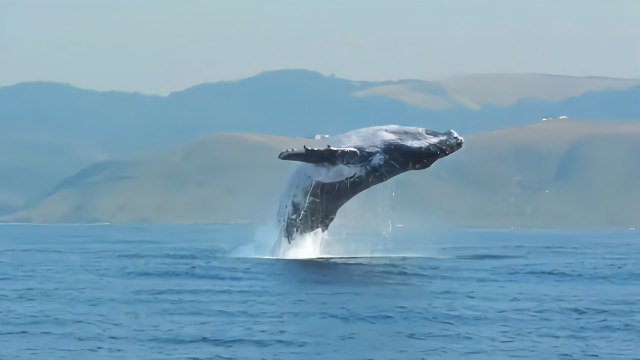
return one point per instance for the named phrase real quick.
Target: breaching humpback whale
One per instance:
(351, 163)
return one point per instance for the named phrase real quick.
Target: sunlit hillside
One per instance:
(556, 173)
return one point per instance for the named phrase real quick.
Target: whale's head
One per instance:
(419, 149)
(452, 141)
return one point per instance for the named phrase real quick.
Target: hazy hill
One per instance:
(51, 130)
(549, 174)
(305, 103)
(221, 178)
(559, 173)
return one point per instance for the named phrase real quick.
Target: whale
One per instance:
(328, 177)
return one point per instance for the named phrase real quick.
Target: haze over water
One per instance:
(174, 292)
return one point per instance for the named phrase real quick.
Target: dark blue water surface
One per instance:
(173, 292)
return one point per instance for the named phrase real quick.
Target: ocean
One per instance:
(195, 292)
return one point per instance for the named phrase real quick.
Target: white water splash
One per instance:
(261, 245)
(313, 245)
(306, 246)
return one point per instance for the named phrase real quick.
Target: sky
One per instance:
(157, 47)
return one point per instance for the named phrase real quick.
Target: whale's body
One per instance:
(350, 164)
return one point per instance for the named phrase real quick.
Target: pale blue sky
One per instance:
(163, 46)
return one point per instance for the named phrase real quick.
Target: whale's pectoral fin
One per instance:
(330, 155)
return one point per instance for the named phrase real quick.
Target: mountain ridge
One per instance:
(52, 130)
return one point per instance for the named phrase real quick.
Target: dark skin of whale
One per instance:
(373, 165)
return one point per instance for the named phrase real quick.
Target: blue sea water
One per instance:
(174, 292)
